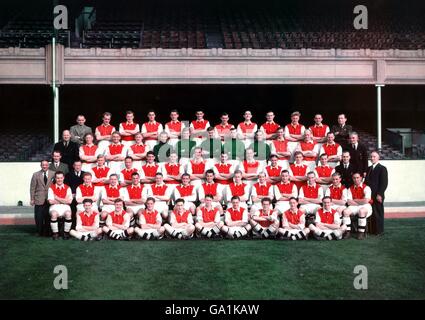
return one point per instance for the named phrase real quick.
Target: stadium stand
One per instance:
(27, 146)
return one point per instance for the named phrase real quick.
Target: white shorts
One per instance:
(335, 207)
(310, 208)
(355, 209)
(282, 206)
(136, 209)
(151, 144)
(283, 163)
(108, 208)
(86, 167)
(102, 146)
(116, 166)
(161, 206)
(60, 209)
(80, 207)
(188, 205)
(138, 164)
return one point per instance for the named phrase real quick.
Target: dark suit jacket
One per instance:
(343, 134)
(69, 154)
(62, 167)
(377, 180)
(359, 157)
(73, 181)
(346, 174)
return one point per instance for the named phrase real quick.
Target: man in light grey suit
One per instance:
(40, 183)
(56, 164)
(79, 130)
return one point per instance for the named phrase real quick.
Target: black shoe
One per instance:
(99, 237)
(55, 236)
(347, 235)
(361, 236)
(66, 236)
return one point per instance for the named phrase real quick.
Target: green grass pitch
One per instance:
(228, 269)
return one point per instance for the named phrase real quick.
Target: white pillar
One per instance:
(379, 115)
(55, 94)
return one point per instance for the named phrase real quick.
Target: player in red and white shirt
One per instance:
(208, 223)
(180, 224)
(236, 220)
(298, 170)
(283, 191)
(196, 167)
(103, 132)
(293, 223)
(110, 193)
(87, 190)
(308, 147)
(223, 170)
(273, 170)
(129, 169)
(138, 151)
(222, 130)
(310, 195)
(88, 153)
(294, 131)
(150, 169)
(327, 224)
(264, 221)
(237, 189)
(209, 187)
(151, 130)
(270, 127)
(161, 193)
(359, 198)
(174, 128)
(172, 170)
(187, 192)
(279, 147)
(150, 222)
(250, 167)
(319, 130)
(118, 222)
(260, 190)
(100, 173)
(198, 128)
(116, 153)
(128, 129)
(87, 226)
(324, 172)
(338, 193)
(332, 149)
(134, 197)
(59, 197)
(247, 129)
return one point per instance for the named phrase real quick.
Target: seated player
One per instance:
(103, 132)
(87, 190)
(251, 168)
(332, 149)
(324, 172)
(261, 148)
(185, 147)
(150, 222)
(359, 197)
(247, 129)
(273, 170)
(138, 151)
(298, 170)
(125, 174)
(269, 127)
(59, 197)
(338, 193)
(128, 129)
(115, 154)
(87, 227)
(310, 196)
(174, 128)
(213, 189)
(319, 130)
(180, 224)
(308, 148)
(260, 190)
(236, 220)
(88, 153)
(234, 148)
(150, 169)
(151, 130)
(264, 221)
(294, 132)
(327, 225)
(118, 222)
(134, 196)
(284, 191)
(187, 192)
(222, 130)
(109, 193)
(100, 173)
(196, 167)
(293, 223)
(237, 189)
(208, 223)
(279, 147)
(172, 171)
(161, 193)
(198, 128)
(223, 170)
(211, 146)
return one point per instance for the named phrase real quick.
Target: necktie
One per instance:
(354, 147)
(45, 178)
(56, 165)
(66, 144)
(345, 166)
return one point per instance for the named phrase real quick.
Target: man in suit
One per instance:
(342, 131)
(67, 148)
(346, 170)
(73, 179)
(40, 183)
(79, 130)
(377, 180)
(358, 154)
(56, 164)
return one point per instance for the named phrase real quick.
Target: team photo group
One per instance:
(196, 179)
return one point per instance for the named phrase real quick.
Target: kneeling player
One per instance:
(87, 227)
(181, 222)
(236, 219)
(293, 222)
(264, 221)
(118, 222)
(328, 222)
(208, 218)
(150, 222)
